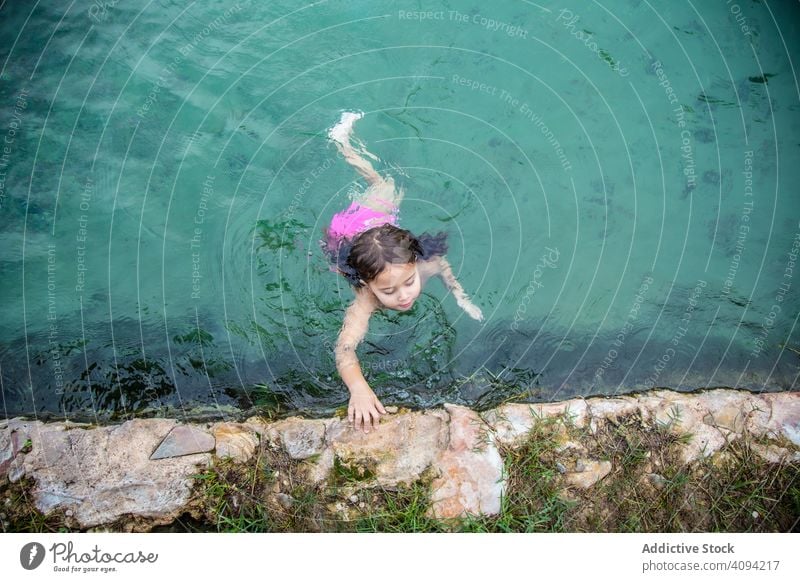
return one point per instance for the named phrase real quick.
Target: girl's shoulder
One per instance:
(428, 268)
(366, 299)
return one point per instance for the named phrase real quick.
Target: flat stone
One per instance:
(6, 452)
(18, 440)
(775, 454)
(658, 481)
(16, 469)
(257, 424)
(792, 433)
(576, 410)
(470, 480)
(23, 425)
(234, 441)
(512, 422)
(705, 441)
(184, 440)
(569, 446)
(588, 472)
(13, 436)
(612, 408)
(398, 451)
(709, 419)
(322, 466)
(729, 409)
(679, 413)
(286, 501)
(300, 438)
(105, 473)
(783, 417)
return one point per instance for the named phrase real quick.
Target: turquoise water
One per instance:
(618, 183)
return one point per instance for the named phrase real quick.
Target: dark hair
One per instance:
(362, 259)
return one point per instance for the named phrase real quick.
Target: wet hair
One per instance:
(362, 259)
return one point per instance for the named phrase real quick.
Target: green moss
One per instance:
(350, 471)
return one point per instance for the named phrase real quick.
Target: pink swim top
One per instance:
(355, 220)
(346, 225)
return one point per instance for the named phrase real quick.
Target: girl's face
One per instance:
(397, 286)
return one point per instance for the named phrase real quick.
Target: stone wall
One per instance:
(144, 467)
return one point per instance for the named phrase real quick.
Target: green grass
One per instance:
(532, 502)
(400, 510)
(18, 511)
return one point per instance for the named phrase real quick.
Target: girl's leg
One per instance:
(383, 197)
(340, 135)
(381, 193)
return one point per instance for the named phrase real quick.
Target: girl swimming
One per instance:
(386, 265)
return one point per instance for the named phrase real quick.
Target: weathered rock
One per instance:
(470, 477)
(575, 410)
(570, 446)
(728, 409)
(399, 451)
(512, 422)
(286, 501)
(13, 436)
(25, 427)
(705, 441)
(588, 472)
(184, 440)
(300, 438)
(687, 414)
(792, 433)
(782, 418)
(775, 454)
(16, 469)
(6, 452)
(677, 412)
(234, 441)
(19, 439)
(322, 466)
(105, 473)
(612, 408)
(258, 425)
(658, 481)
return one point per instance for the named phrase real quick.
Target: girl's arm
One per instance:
(444, 270)
(364, 409)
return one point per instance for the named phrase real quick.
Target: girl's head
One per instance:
(384, 258)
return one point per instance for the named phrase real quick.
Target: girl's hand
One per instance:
(365, 409)
(471, 309)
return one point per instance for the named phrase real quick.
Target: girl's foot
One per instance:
(342, 130)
